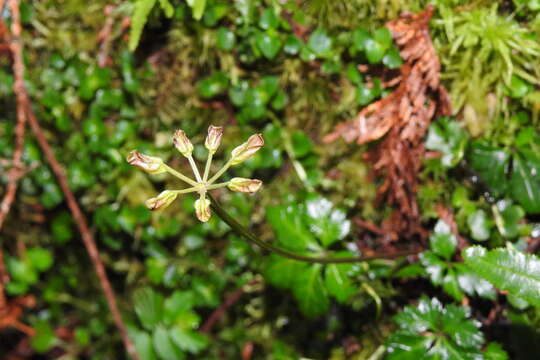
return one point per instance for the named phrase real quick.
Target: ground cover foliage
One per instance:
(389, 127)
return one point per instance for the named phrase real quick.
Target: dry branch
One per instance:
(18, 88)
(402, 118)
(25, 112)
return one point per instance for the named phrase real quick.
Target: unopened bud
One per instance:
(202, 209)
(214, 138)
(164, 199)
(248, 149)
(150, 164)
(243, 185)
(182, 143)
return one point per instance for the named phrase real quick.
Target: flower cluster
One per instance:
(201, 184)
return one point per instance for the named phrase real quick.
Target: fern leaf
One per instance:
(509, 270)
(140, 16)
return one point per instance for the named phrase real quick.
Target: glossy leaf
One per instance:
(445, 135)
(310, 292)
(491, 163)
(525, 181)
(269, 43)
(508, 270)
(479, 225)
(442, 241)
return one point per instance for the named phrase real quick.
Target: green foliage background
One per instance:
(242, 65)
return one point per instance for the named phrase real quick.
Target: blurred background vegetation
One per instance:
(107, 77)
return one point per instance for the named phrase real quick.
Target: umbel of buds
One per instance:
(201, 184)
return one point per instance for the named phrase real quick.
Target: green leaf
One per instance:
(148, 307)
(163, 345)
(190, 341)
(525, 181)
(359, 38)
(392, 59)
(144, 346)
(281, 272)
(167, 8)
(442, 241)
(434, 266)
(197, 6)
(508, 270)
(507, 217)
(40, 258)
(374, 51)
(225, 39)
(518, 87)
(473, 285)
(491, 163)
(479, 225)
(432, 331)
(138, 20)
(288, 223)
(353, 74)
(445, 135)
(320, 43)
(213, 85)
(338, 282)
(280, 100)
(383, 37)
(269, 19)
(494, 351)
(310, 292)
(45, 338)
(328, 224)
(269, 43)
(292, 45)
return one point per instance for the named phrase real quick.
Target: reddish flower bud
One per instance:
(202, 209)
(214, 138)
(161, 201)
(243, 185)
(150, 164)
(182, 143)
(248, 149)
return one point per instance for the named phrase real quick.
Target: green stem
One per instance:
(220, 172)
(240, 229)
(188, 190)
(171, 171)
(217, 186)
(207, 167)
(194, 168)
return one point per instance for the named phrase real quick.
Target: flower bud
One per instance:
(214, 138)
(248, 149)
(182, 143)
(150, 164)
(164, 199)
(202, 209)
(243, 185)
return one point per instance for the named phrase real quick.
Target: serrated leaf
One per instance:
(148, 307)
(143, 345)
(164, 346)
(442, 241)
(337, 281)
(431, 331)
(494, 351)
(507, 270)
(190, 341)
(434, 266)
(282, 272)
(310, 292)
(327, 223)
(138, 20)
(290, 229)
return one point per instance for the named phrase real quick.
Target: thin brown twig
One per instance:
(82, 224)
(27, 113)
(18, 88)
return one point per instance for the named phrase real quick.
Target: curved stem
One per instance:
(220, 172)
(242, 230)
